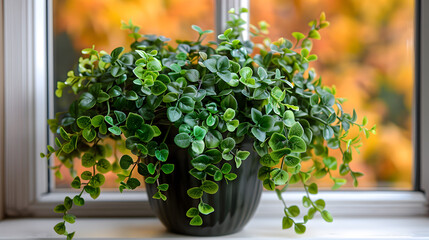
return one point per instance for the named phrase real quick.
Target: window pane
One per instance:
(367, 53)
(80, 24)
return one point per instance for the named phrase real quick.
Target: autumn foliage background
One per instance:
(367, 53)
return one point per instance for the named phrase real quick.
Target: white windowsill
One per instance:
(258, 228)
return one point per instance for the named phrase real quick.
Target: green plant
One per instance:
(214, 95)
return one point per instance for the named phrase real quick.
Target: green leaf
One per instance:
(326, 216)
(68, 203)
(229, 102)
(161, 155)
(60, 228)
(300, 228)
(69, 218)
(186, 104)
(293, 211)
(297, 144)
(256, 115)
(192, 212)
(226, 168)
(312, 188)
(277, 141)
(125, 162)
(230, 176)
(115, 91)
(278, 154)
(151, 168)
(264, 173)
(218, 176)
(158, 88)
(89, 134)
(211, 65)
(328, 132)
(232, 125)
(296, 130)
(314, 34)
(98, 180)
(320, 203)
(292, 161)
(133, 183)
(115, 130)
(86, 175)
(87, 101)
(198, 29)
(192, 75)
(68, 147)
(229, 114)
(227, 144)
(258, 134)
(145, 133)
(78, 201)
(242, 155)
(64, 134)
(196, 221)
(209, 187)
(338, 183)
(210, 120)
(246, 72)
(279, 176)
(182, 140)
(102, 97)
(60, 208)
(201, 162)
(205, 209)
(167, 168)
(287, 222)
(88, 160)
(104, 166)
(170, 97)
(131, 95)
(83, 122)
(173, 114)
(278, 94)
(134, 122)
(70, 236)
(269, 184)
(163, 187)
(213, 139)
(116, 52)
(330, 162)
(268, 161)
(266, 123)
(97, 120)
(195, 192)
(109, 120)
(199, 132)
(298, 36)
(222, 64)
(154, 65)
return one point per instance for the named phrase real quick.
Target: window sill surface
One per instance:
(258, 228)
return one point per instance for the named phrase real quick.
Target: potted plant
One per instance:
(205, 127)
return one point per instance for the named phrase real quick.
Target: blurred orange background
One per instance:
(367, 53)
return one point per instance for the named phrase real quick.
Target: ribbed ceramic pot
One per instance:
(234, 203)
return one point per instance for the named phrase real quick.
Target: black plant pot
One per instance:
(234, 203)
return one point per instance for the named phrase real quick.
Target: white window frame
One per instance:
(25, 105)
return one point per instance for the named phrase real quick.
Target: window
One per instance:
(98, 23)
(26, 88)
(359, 54)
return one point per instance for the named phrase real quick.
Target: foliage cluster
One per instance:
(215, 95)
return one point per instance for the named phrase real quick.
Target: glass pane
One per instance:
(79, 24)
(367, 53)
